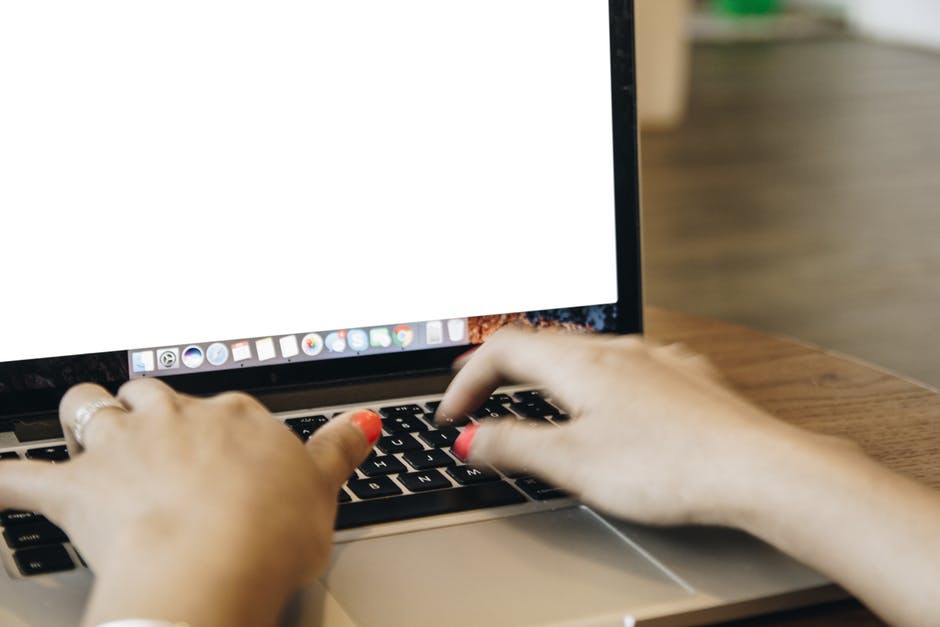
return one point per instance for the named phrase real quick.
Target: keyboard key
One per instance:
(534, 409)
(401, 411)
(489, 410)
(373, 487)
(431, 407)
(343, 496)
(468, 475)
(9, 455)
(404, 424)
(422, 460)
(49, 453)
(33, 534)
(501, 399)
(398, 443)
(427, 504)
(44, 559)
(423, 481)
(539, 490)
(528, 395)
(13, 517)
(440, 438)
(448, 420)
(382, 465)
(561, 418)
(305, 426)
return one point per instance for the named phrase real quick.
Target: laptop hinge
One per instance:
(355, 392)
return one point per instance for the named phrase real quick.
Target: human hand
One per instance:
(207, 511)
(656, 435)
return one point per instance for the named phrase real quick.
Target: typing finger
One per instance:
(93, 412)
(148, 394)
(33, 486)
(511, 355)
(510, 445)
(342, 444)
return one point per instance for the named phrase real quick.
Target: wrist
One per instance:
(790, 480)
(758, 475)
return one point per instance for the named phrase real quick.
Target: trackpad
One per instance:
(544, 568)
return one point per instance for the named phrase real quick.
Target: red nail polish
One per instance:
(464, 441)
(370, 424)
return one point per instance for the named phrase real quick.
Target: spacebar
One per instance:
(426, 504)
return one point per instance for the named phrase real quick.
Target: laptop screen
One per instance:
(249, 194)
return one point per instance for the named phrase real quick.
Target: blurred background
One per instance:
(791, 170)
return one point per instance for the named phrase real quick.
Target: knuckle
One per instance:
(83, 387)
(133, 386)
(144, 387)
(598, 355)
(78, 391)
(146, 383)
(681, 351)
(237, 400)
(631, 342)
(706, 364)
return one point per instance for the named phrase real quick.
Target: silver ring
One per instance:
(86, 412)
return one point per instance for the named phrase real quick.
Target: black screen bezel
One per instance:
(262, 379)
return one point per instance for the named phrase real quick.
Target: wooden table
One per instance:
(897, 421)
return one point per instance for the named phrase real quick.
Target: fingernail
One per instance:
(464, 441)
(370, 424)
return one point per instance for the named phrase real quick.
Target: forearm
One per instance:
(874, 532)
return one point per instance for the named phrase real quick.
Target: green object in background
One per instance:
(748, 7)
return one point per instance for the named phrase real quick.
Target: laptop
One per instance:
(323, 204)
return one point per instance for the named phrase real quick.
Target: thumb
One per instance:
(343, 443)
(512, 445)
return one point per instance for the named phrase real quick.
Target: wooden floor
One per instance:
(802, 197)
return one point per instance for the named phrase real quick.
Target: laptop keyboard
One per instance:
(411, 473)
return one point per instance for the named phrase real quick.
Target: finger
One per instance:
(102, 426)
(463, 358)
(510, 445)
(239, 404)
(147, 394)
(33, 486)
(342, 444)
(510, 355)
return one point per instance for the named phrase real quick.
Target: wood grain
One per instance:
(897, 421)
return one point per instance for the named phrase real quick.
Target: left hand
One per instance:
(207, 511)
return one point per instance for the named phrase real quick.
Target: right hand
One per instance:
(659, 438)
(656, 435)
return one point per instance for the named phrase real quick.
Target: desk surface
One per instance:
(897, 421)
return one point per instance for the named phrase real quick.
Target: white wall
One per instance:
(914, 22)
(906, 21)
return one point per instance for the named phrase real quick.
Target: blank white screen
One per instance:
(189, 170)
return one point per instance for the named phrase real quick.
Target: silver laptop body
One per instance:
(507, 554)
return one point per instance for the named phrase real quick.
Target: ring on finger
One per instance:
(86, 412)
